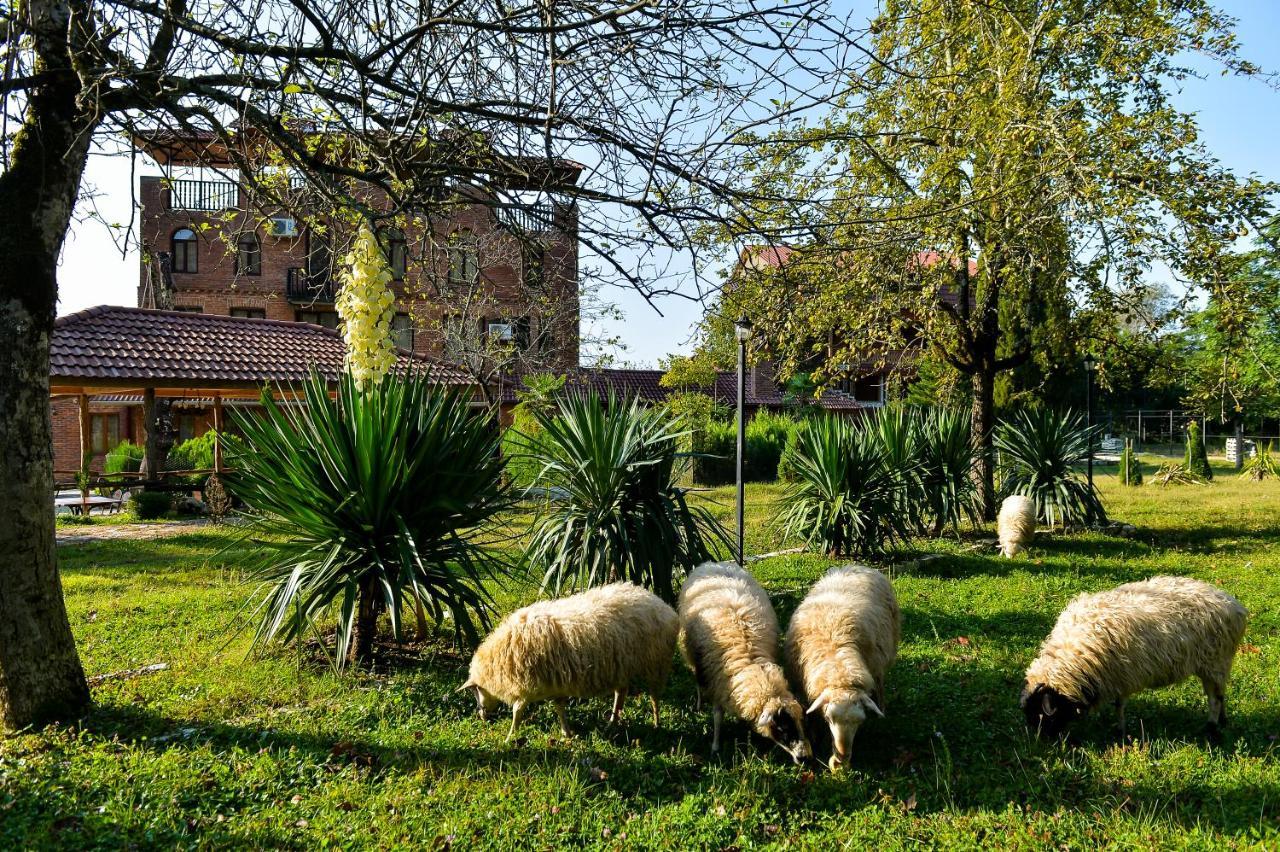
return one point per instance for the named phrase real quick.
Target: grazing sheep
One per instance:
(605, 640)
(730, 640)
(841, 642)
(1016, 524)
(1110, 645)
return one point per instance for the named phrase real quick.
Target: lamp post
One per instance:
(742, 331)
(1089, 366)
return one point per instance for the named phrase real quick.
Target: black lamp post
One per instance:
(1089, 366)
(742, 331)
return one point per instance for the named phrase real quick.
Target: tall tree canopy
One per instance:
(1000, 165)
(365, 100)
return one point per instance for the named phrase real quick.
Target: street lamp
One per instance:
(1089, 366)
(742, 331)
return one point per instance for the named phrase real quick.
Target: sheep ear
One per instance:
(470, 684)
(1047, 707)
(818, 702)
(872, 706)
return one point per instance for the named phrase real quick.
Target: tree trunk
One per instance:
(366, 626)
(983, 425)
(40, 674)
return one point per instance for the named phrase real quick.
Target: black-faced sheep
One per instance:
(1108, 646)
(841, 642)
(607, 640)
(1016, 524)
(729, 636)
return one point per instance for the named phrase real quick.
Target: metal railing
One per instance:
(529, 219)
(206, 195)
(302, 286)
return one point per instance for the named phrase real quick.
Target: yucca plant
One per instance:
(894, 426)
(622, 516)
(1040, 451)
(944, 446)
(1176, 473)
(845, 498)
(1262, 465)
(367, 503)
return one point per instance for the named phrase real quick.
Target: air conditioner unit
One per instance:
(501, 332)
(283, 227)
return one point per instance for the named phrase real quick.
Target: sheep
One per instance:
(841, 642)
(1016, 524)
(1110, 645)
(729, 638)
(605, 640)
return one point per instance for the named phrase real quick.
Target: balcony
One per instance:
(208, 196)
(529, 219)
(306, 288)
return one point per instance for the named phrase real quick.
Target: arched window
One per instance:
(185, 254)
(464, 258)
(249, 255)
(397, 251)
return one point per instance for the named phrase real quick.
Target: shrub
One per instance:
(766, 438)
(845, 496)
(538, 393)
(1262, 465)
(944, 444)
(1196, 460)
(787, 461)
(715, 451)
(149, 505)
(125, 458)
(1130, 467)
(624, 517)
(1039, 452)
(895, 428)
(362, 504)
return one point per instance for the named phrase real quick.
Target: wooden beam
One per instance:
(86, 450)
(217, 433)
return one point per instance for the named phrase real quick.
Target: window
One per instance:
(185, 254)
(328, 319)
(397, 251)
(464, 258)
(104, 432)
(249, 255)
(402, 331)
(249, 313)
(508, 332)
(188, 309)
(318, 257)
(869, 389)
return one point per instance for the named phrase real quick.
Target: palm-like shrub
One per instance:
(944, 446)
(1040, 451)
(622, 515)
(367, 503)
(845, 497)
(1263, 465)
(895, 428)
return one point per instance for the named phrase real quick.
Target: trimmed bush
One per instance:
(125, 458)
(715, 451)
(767, 434)
(149, 505)
(787, 461)
(1196, 460)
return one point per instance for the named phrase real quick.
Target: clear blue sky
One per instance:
(1239, 119)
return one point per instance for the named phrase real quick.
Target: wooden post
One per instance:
(217, 433)
(149, 428)
(86, 450)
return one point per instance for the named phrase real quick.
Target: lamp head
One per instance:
(742, 328)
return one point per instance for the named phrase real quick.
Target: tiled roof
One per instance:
(120, 345)
(644, 384)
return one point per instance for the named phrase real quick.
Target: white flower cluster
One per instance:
(367, 307)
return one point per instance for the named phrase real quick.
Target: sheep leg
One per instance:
(619, 698)
(564, 719)
(717, 716)
(1120, 715)
(1216, 694)
(517, 716)
(653, 699)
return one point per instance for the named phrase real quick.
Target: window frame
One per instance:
(249, 313)
(462, 248)
(100, 429)
(190, 254)
(255, 267)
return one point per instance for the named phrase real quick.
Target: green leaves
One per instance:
(385, 493)
(616, 512)
(1040, 451)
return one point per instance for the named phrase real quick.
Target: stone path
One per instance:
(111, 532)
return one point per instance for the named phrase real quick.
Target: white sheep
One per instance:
(1016, 524)
(605, 640)
(841, 642)
(729, 637)
(1108, 646)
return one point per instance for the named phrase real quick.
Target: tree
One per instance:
(379, 109)
(1001, 165)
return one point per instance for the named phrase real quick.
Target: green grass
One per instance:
(223, 749)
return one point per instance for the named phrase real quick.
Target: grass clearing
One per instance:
(227, 749)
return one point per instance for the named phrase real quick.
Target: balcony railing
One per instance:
(308, 288)
(528, 219)
(207, 195)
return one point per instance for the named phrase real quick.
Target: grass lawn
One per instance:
(226, 749)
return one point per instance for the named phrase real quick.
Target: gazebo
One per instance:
(136, 356)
